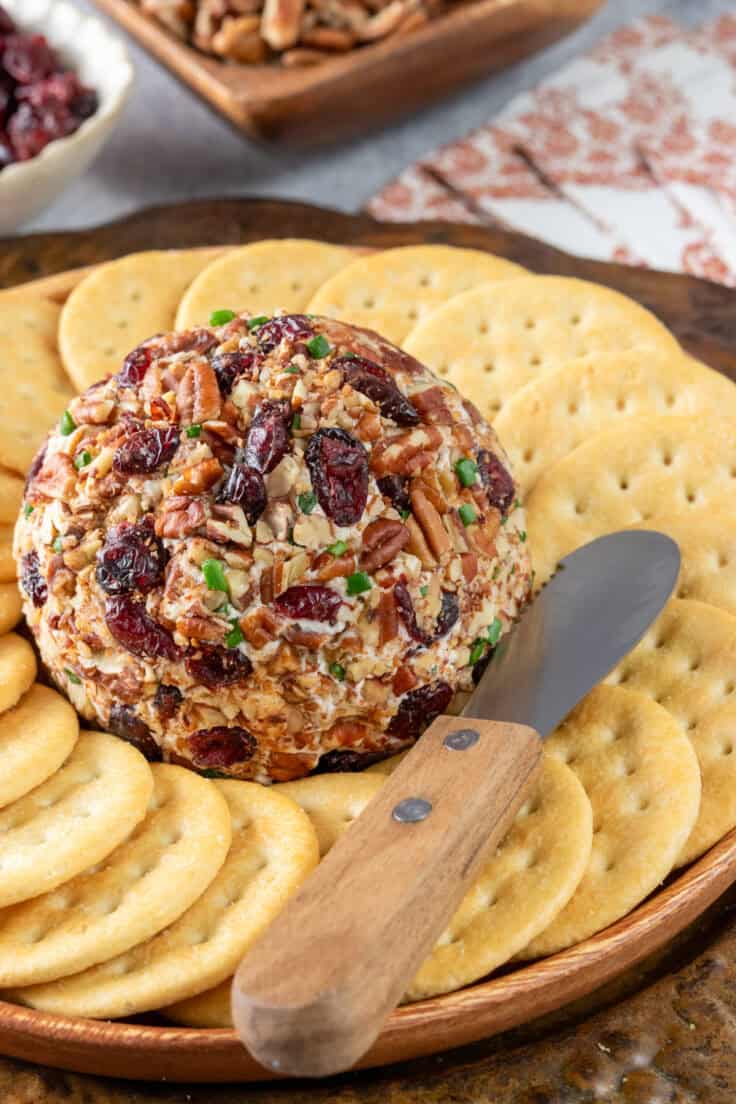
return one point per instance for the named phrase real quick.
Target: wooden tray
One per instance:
(704, 317)
(364, 88)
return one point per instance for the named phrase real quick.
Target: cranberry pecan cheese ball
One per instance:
(270, 547)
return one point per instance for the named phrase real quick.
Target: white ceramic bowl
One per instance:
(101, 62)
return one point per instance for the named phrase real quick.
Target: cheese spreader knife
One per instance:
(312, 994)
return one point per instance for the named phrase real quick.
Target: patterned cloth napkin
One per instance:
(627, 154)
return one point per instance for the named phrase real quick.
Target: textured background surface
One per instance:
(170, 146)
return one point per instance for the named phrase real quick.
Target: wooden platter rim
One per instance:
(136, 1051)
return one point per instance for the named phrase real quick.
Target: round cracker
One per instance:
(120, 304)
(332, 801)
(210, 1009)
(146, 883)
(11, 497)
(641, 775)
(629, 474)
(8, 570)
(262, 276)
(74, 819)
(551, 416)
(491, 341)
(274, 849)
(394, 290)
(11, 607)
(687, 662)
(36, 737)
(17, 669)
(531, 877)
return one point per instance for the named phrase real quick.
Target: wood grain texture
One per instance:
(383, 895)
(363, 88)
(522, 1066)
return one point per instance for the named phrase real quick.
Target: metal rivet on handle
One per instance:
(462, 739)
(411, 810)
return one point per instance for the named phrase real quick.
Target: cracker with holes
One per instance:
(36, 737)
(73, 819)
(394, 290)
(274, 848)
(10, 607)
(120, 304)
(491, 341)
(147, 883)
(641, 775)
(7, 563)
(551, 416)
(262, 277)
(11, 496)
(332, 801)
(687, 662)
(631, 474)
(17, 669)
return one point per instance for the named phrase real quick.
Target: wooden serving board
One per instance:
(365, 87)
(704, 317)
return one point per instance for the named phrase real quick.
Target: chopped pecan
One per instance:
(56, 478)
(347, 732)
(198, 399)
(239, 40)
(229, 523)
(432, 406)
(160, 410)
(181, 516)
(382, 541)
(334, 567)
(369, 426)
(482, 536)
(418, 545)
(260, 627)
(283, 766)
(280, 22)
(404, 680)
(470, 566)
(388, 621)
(91, 411)
(472, 411)
(406, 453)
(430, 523)
(328, 38)
(199, 477)
(429, 484)
(295, 634)
(201, 628)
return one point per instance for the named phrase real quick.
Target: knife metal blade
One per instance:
(598, 605)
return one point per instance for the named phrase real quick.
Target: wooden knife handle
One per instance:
(312, 994)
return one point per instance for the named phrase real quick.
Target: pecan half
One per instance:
(201, 628)
(406, 453)
(382, 540)
(199, 399)
(388, 621)
(182, 516)
(418, 545)
(432, 406)
(260, 627)
(430, 523)
(56, 478)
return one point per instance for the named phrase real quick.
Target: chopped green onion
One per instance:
(307, 501)
(424, 591)
(522, 535)
(517, 504)
(403, 514)
(235, 636)
(27, 510)
(318, 346)
(358, 583)
(212, 773)
(67, 424)
(494, 632)
(478, 650)
(339, 548)
(82, 460)
(296, 421)
(467, 472)
(257, 322)
(72, 676)
(57, 546)
(214, 575)
(220, 317)
(337, 671)
(294, 369)
(467, 514)
(193, 431)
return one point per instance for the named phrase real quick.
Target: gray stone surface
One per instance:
(170, 146)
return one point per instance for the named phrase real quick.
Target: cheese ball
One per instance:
(273, 546)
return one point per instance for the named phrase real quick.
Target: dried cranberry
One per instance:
(221, 747)
(418, 709)
(32, 580)
(28, 58)
(136, 365)
(268, 436)
(132, 558)
(498, 483)
(216, 667)
(244, 487)
(344, 760)
(123, 722)
(292, 327)
(31, 129)
(166, 701)
(230, 366)
(338, 465)
(132, 627)
(7, 26)
(379, 385)
(395, 489)
(448, 616)
(146, 451)
(309, 603)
